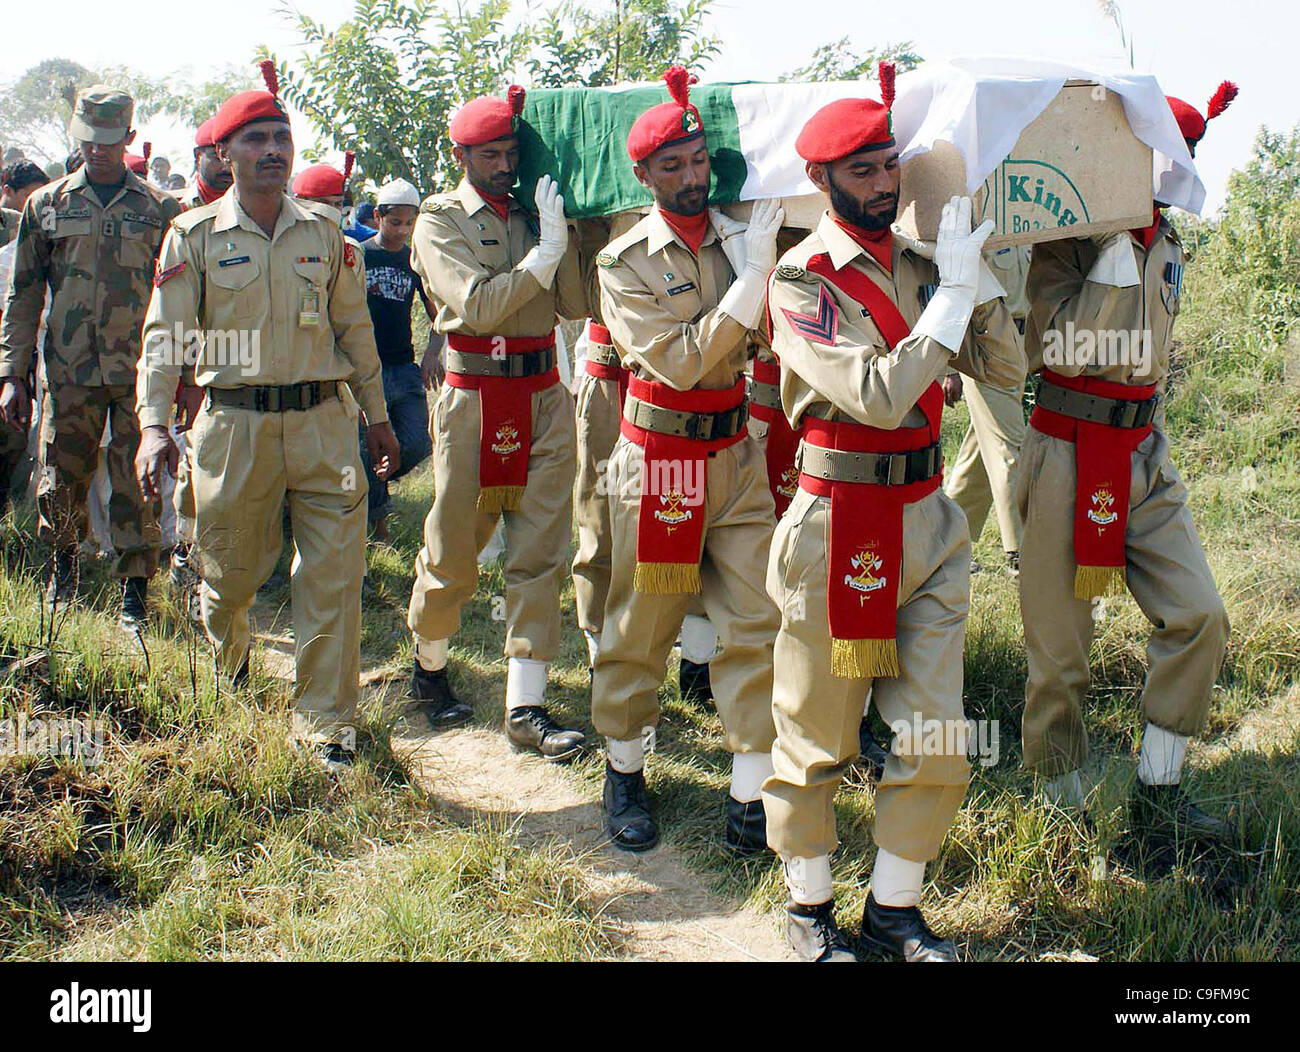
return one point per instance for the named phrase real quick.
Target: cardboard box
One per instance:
(1076, 171)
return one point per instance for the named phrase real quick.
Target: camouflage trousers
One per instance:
(72, 424)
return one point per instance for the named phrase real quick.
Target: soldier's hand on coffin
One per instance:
(760, 236)
(157, 450)
(957, 250)
(554, 235)
(15, 402)
(385, 451)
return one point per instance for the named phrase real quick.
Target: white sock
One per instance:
(749, 770)
(525, 682)
(1161, 760)
(626, 757)
(699, 640)
(809, 879)
(1066, 790)
(593, 645)
(430, 653)
(896, 881)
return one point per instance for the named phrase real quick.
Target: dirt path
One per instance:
(663, 910)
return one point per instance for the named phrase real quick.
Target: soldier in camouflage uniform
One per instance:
(92, 237)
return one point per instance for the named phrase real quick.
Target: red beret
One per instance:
(248, 106)
(135, 162)
(203, 137)
(669, 122)
(1190, 121)
(487, 118)
(846, 126)
(323, 180)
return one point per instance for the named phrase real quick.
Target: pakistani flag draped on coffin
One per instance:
(977, 107)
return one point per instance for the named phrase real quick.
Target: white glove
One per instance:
(988, 287)
(543, 260)
(744, 300)
(1116, 265)
(957, 255)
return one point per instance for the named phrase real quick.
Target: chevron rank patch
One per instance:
(160, 276)
(821, 327)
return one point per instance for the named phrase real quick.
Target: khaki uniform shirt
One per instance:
(219, 271)
(1060, 294)
(98, 262)
(660, 302)
(857, 376)
(467, 257)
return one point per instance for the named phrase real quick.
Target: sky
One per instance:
(1189, 46)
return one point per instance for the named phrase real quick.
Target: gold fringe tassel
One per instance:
(666, 578)
(1091, 582)
(862, 658)
(496, 499)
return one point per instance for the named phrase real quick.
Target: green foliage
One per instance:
(839, 60)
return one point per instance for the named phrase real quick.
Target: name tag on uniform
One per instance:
(685, 286)
(308, 308)
(144, 220)
(232, 261)
(489, 241)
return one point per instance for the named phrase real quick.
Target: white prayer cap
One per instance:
(398, 192)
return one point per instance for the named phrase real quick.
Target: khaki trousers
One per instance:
(597, 413)
(640, 629)
(984, 473)
(72, 424)
(183, 494)
(246, 464)
(1167, 575)
(817, 714)
(537, 535)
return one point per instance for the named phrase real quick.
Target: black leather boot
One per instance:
(531, 727)
(871, 754)
(901, 931)
(1165, 810)
(813, 934)
(627, 811)
(440, 706)
(135, 611)
(746, 832)
(694, 684)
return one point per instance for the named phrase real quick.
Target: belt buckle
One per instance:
(1123, 414)
(262, 399)
(1146, 412)
(699, 426)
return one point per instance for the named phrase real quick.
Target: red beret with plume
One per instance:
(668, 122)
(323, 180)
(846, 126)
(248, 106)
(1190, 121)
(487, 118)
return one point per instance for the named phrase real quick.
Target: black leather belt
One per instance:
(513, 366)
(880, 469)
(764, 394)
(273, 399)
(1113, 412)
(702, 426)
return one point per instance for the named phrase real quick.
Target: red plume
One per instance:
(1222, 99)
(269, 75)
(515, 96)
(886, 72)
(148, 149)
(679, 85)
(348, 158)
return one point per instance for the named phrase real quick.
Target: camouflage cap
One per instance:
(101, 114)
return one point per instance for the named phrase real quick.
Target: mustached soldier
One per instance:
(92, 237)
(681, 293)
(1105, 510)
(278, 424)
(870, 563)
(503, 423)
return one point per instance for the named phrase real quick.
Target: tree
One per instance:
(385, 82)
(840, 61)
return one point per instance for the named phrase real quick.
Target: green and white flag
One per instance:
(579, 136)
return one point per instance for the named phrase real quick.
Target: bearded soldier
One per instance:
(503, 424)
(870, 563)
(1105, 510)
(278, 423)
(690, 511)
(92, 237)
